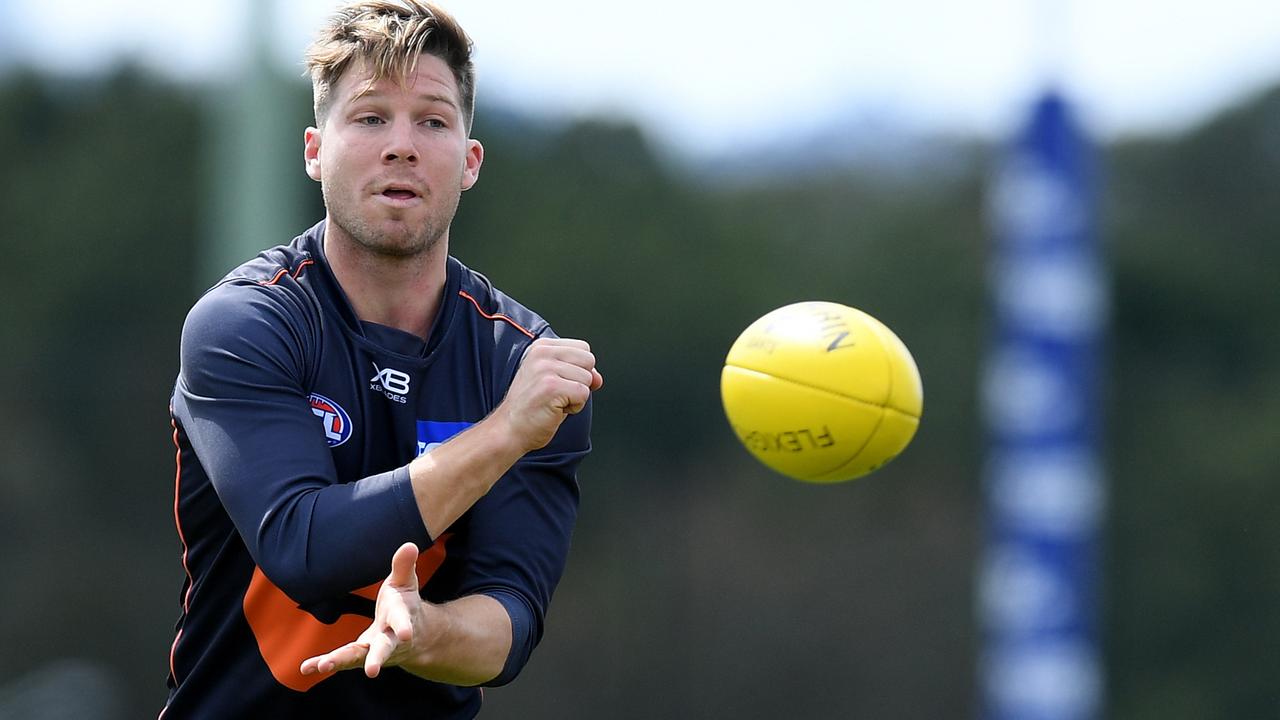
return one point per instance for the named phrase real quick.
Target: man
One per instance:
(359, 396)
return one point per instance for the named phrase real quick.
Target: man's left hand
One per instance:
(399, 617)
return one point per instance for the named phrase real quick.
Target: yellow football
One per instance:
(821, 392)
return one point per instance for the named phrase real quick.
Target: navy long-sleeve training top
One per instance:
(294, 423)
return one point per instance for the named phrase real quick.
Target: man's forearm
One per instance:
(448, 480)
(466, 642)
(555, 379)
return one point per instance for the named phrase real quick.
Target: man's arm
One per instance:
(555, 379)
(240, 400)
(463, 642)
(469, 641)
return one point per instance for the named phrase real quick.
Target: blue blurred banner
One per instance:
(1043, 477)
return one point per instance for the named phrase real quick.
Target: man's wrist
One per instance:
(501, 437)
(431, 626)
(450, 647)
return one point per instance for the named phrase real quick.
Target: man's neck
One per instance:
(399, 292)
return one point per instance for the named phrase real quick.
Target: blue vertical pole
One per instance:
(1043, 478)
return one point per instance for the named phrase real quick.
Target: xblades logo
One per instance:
(390, 382)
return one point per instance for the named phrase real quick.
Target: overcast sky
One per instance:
(709, 73)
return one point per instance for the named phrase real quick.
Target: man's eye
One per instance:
(434, 123)
(369, 120)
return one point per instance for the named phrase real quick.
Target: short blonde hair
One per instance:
(390, 35)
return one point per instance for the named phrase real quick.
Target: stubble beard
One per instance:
(406, 242)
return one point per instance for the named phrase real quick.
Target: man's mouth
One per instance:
(399, 194)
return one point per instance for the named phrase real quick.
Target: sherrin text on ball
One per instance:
(821, 392)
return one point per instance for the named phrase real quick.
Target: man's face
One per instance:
(392, 162)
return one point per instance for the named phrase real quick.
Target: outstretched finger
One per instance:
(346, 657)
(380, 648)
(403, 571)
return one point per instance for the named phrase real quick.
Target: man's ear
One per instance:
(311, 153)
(471, 169)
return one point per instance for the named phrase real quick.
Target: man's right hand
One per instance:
(554, 380)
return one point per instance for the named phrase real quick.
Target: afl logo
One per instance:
(336, 422)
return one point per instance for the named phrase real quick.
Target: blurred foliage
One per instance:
(1194, 576)
(96, 212)
(700, 585)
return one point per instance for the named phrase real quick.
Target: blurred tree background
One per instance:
(700, 585)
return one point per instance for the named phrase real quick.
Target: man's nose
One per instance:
(400, 144)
